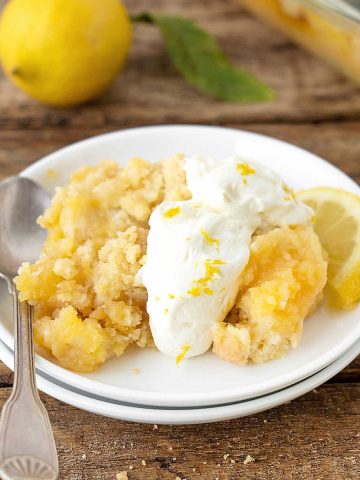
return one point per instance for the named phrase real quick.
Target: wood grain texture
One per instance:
(329, 140)
(315, 437)
(151, 91)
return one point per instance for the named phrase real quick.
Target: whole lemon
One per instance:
(64, 52)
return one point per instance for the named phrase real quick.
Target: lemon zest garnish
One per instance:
(244, 181)
(197, 291)
(166, 311)
(200, 286)
(172, 212)
(287, 198)
(208, 239)
(185, 348)
(245, 169)
(171, 296)
(289, 191)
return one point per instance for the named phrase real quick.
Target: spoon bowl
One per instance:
(21, 238)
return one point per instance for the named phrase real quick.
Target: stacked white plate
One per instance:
(145, 385)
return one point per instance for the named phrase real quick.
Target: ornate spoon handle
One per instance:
(27, 446)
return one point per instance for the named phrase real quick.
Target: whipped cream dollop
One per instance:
(198, 248)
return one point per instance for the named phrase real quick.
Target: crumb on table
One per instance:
(248, 459)
(122, 475)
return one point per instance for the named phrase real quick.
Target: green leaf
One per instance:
(198, 57)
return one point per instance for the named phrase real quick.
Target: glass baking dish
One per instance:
(328, 28)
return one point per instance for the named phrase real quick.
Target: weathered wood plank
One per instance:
(337, 142)
(314, 437)
(350, 374)
(151, 91)
(6, 376)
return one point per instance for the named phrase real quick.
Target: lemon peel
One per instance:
(64, 53)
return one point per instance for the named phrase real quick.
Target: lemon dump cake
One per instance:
(220, 254)
(88, 303)
(197, 250)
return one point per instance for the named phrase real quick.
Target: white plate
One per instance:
(206, 380)
(169, 416)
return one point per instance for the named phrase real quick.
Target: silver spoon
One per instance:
(27, 446)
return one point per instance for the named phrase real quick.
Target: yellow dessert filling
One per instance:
(332, 37)
(88, 304)
(281, 284)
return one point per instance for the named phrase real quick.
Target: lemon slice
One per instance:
(337, 223)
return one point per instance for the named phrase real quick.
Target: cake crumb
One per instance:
(52, 174)
(170, 448)
(265, 421)
(218, 465)
(131, 467)
(177, 478)
(136, 371)
(155, 427)
(174, 459)
(204, 463)
(248, 459)
(122, 475)
(83, 456)
(143, 462)
(232, 461)
(225, 457)
(193, 469)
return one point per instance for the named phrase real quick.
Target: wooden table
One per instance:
(314, 437)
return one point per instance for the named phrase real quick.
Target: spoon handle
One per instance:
(27, 446)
